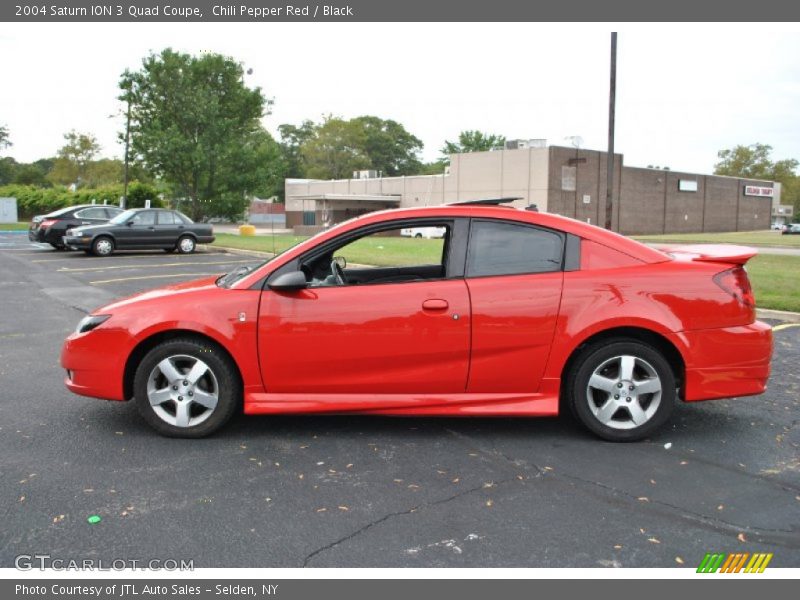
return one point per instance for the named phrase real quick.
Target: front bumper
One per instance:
(77, 242)
(727, 362)
(95, 362)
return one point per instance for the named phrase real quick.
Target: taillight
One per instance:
(48, 223)
(737, 284)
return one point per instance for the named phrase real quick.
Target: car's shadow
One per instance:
(688, 422)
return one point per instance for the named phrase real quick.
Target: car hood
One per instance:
(184, 288)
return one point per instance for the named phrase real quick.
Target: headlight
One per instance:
(90, 322)
(70, 232)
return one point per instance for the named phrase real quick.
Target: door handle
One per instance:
(435, 304)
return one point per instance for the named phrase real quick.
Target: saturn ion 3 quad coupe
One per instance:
(512, 312)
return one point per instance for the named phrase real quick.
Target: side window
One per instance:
(91, 213)
(147, 217)
(112, 212)
(388, 256)
(497, 248)
(166, 218)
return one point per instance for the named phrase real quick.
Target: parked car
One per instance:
(140, 229)
(423, 232)
(777, 226)
(792, 229)
(514, 313)
(52, 227)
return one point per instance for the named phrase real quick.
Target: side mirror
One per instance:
(341, 261)
(296, 280)
(129, 223)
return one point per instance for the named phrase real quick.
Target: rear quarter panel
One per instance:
(667, 298)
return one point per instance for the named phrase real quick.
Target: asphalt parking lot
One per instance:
(349, 491)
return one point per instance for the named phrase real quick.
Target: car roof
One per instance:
(541, 219)
(66, 209)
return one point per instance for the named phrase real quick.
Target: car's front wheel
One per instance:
(622, 391)
(186, 245)
(103, 246)
(186, 388)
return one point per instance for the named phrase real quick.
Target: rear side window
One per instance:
(166, 218)
(91, 213)
(113, 212)
(508, 249)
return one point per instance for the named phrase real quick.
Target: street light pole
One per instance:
(612, 96)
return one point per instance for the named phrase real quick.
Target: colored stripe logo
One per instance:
(737, 562)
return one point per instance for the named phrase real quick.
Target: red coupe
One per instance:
(511, 312)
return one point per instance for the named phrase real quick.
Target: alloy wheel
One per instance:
(183, 390)
(624, 392)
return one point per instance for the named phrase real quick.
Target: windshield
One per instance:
(122, 217)
(230, 278)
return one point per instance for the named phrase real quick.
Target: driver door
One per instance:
(404, 329)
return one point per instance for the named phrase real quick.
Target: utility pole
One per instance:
(127, 145)
(612, 96)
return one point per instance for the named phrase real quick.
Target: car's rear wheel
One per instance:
(103, 246)
(186, 388)
(186, 245)
(58, 246)
(622, 390)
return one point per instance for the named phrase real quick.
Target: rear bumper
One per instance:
(728, 362)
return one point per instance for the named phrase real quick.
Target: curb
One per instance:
(241, 252)
(780, 315)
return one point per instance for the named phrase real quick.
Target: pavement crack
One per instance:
(391, 515)
(494, 454)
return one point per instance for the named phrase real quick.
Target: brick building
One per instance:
(563, 180)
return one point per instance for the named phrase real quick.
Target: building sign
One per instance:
(757, 190)
(687, 185)
(587, 199)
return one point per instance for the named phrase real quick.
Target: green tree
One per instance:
(197, 126)
(472, 141)
(104, 172)
(336, 150)
(8, 170)
(432, 168)
(755, 162)
(5, 137)
(391, 149)
(292, 140)
(73, 158)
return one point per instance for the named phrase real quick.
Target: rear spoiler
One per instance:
(719, 253)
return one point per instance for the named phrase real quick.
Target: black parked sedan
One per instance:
(141, 229)
(52, 227)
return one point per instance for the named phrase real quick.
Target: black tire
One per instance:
(594, 357)
(58, 246)
(186, 244)
(103, 245)
(419, 235)
(218, 362)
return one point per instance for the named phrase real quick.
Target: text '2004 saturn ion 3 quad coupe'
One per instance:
(511, 312)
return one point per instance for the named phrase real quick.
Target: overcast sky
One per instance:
(684, 91)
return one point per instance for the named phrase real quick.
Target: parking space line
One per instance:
(785, 326)
(102, 281)
(120, 256)
(153, 265)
